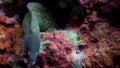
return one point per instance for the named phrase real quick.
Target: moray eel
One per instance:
(35, 21)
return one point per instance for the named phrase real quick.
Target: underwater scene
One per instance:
(59, 33)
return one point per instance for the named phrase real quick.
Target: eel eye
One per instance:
(28, 52)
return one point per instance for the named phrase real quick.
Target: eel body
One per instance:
(35, 21)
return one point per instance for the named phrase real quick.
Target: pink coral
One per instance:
(58, 50)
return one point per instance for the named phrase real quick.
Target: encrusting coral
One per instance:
(92, 44)
(11, 39)
(60, 50)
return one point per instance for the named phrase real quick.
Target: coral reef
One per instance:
(59, 50)
(91, 38)
(11, 40)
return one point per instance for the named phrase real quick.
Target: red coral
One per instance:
(10, 39)
(58, 51)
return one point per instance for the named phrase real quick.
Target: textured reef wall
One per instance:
(11, 41)
(90, 37)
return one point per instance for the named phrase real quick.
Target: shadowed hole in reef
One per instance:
(52, 62)
(3, 51)
(61, 15)
(115, 18)
(22, 64)
(5, 66)
(111, 12)
(117, 60)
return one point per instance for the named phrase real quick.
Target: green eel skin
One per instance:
(35, 21)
